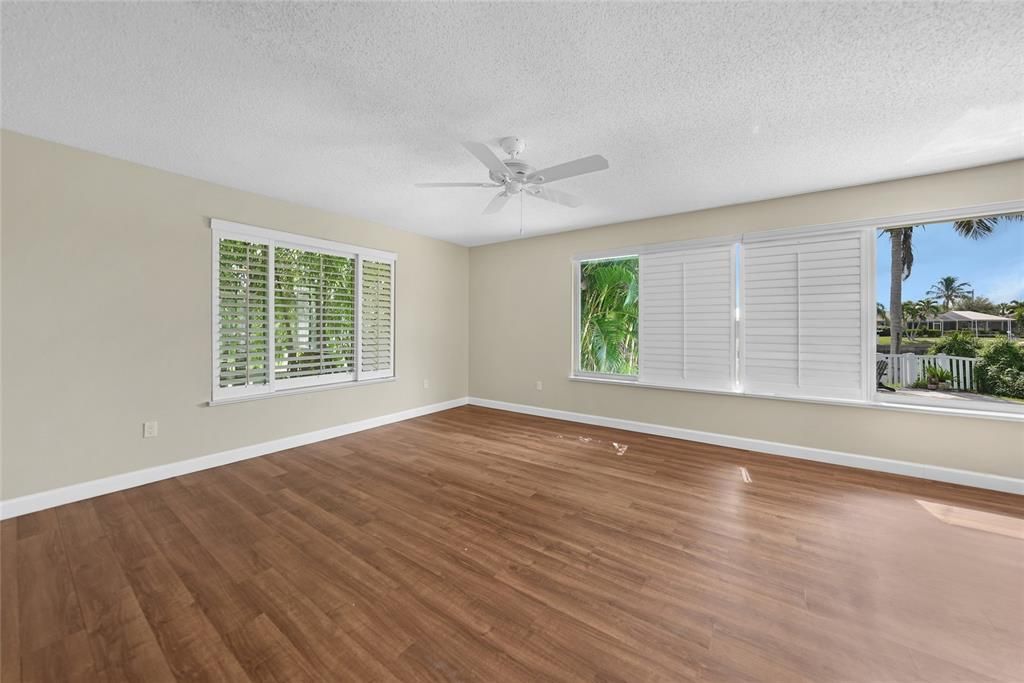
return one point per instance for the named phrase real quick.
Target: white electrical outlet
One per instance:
(426, 384)
(540, 385)
(149, 429)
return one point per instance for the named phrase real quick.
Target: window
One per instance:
(950, 312)
(242, 297)
(803, 313)
(687, 330)
(794, 313)
(292, 312)
(314, 317)
(377, 312)
(776, 313)
(608, 298)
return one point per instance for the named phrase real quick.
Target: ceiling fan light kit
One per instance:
(516, 177)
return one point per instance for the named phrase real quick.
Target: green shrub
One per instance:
(937, 374)
(960, 343)
(1000, 369)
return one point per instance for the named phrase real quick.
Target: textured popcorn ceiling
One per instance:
(344, 106)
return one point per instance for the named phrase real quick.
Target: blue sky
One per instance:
(994, 265)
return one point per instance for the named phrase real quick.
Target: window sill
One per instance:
(904, 405)
(301, 390)
(901, 400)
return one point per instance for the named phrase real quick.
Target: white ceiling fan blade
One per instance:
(487, 157)
(457, 185)
(497, 203)
(595, 162)
(552, 195)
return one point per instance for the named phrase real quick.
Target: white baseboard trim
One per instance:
(98, 487)
(119, 482)
(949, 475)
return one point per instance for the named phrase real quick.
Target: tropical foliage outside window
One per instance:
(609, 316)
(974, 317)
(949, 289)
(969, 324)
(242, 312)
(314, 313)
(286, 312)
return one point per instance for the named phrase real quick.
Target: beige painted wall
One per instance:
(520, 331)
(123, 253)
(106, 318)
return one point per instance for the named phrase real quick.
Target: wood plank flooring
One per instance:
(479, 545)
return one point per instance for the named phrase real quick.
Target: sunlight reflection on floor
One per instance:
(975, 519)
(620, 448)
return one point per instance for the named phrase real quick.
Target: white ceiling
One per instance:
(345, 106)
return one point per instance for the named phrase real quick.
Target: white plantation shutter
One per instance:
(291, 311)
(314, 317)
(687, 327)
(241, 357)
(803, 317)
(376, 319)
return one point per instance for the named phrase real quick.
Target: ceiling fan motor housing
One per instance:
(519, 169)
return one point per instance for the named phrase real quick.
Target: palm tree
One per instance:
(880, 313)
(927, 309)
(949, 290)
(918, 311)
(911, 313)
(609, 291)
(928, 306)
(902, 254)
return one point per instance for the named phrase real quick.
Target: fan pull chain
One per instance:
(522, 212)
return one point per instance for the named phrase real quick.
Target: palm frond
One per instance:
(609, 316)
(975, 228)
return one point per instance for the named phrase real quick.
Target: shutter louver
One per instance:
(687, 327)
(242, 357)
(314, 317)
(803, 316)
(376, 319)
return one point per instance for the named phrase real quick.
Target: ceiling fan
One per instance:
(515, 176)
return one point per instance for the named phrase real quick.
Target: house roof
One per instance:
(969, 316)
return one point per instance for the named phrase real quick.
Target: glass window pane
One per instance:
(314, 314)
(609, 320)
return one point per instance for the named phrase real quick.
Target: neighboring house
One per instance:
(969, 320)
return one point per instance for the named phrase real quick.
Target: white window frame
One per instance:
(373, 374)
(872, 397)
(575, 369)
(223, 229)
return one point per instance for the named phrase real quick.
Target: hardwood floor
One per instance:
(478, 545)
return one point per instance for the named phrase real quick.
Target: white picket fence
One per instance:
(905, 369)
